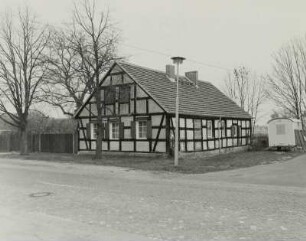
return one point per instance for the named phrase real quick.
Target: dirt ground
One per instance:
(191, 165)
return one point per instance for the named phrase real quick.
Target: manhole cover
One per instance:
(40, 194)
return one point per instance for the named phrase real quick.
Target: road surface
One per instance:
(63, 201)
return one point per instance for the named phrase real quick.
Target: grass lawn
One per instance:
(186, 165)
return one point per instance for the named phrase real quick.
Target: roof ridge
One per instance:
(159, 71)
(147, 68)
(140, 66)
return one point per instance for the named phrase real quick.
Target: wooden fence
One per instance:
(54, 143)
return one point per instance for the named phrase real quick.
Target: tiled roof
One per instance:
(206, 100)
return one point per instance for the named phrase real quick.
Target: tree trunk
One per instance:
(24, 141)
(99, 133)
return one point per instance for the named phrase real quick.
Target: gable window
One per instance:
(141, 129)
(124, 94)
(110, 95)
(114, 130)
(209, 129)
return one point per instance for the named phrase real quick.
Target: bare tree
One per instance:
(22, 69)
(246, 89)
(97, 49)
(68, 84)
(287, 82)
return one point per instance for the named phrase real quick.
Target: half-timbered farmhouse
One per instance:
(139, 110)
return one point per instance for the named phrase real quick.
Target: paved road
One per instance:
(56, 201)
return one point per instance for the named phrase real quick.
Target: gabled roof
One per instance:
(204, 100)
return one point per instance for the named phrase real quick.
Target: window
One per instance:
(197, 129)
(124, 94)
(141, 130)
(94, 130)
(223, 132)
(110, 95)
(234, 130)
(114, 130)
(209, 129)
(280, 129)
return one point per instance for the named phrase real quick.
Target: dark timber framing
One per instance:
(193, 129)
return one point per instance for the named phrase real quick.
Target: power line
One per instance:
(170, 55)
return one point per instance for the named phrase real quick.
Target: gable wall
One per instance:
(139, 106)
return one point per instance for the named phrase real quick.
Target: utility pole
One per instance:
(177, 61)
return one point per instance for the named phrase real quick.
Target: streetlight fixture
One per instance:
(177, 61)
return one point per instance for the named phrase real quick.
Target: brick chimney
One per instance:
(170, 71)
(193, 76)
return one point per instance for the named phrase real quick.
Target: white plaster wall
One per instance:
(161, 146)
(114, 145)
(204, 145)
(189, 134)
(84, 112)
(229, 142)
(142, 146)
(156, 120)
(190, 146)
(182, 122)
(153, 107)
(127, 146)
(127, 134)
(224, 142)
(124, 109)
(127, 120)
(93, 145)
(198, 146)
(141, 106)
(82, 145)
(81, 135)
(211, 144)
(182, 134)
(140, 92)
(204, 133)
(104, 146)
(182, 146)
(189, 123)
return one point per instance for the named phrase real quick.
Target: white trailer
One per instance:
(281, 132)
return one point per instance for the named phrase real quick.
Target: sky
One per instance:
(214, 36)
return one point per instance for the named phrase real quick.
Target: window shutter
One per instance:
(133, 129)
(121, 130)
(106, 130)
(88, 131)
(238, 131)
(233, 130)
(149, 129)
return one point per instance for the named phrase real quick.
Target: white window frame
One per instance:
(111, 130)
(235, 126)
(209, 131)
(94, 131)
(138, 132)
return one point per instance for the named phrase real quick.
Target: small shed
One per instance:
(284, 131)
